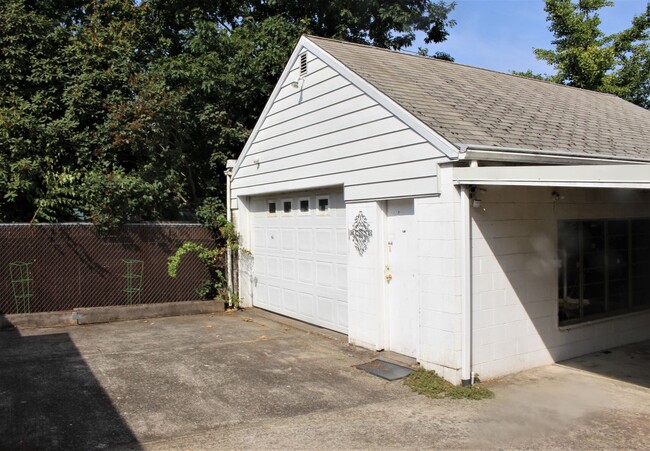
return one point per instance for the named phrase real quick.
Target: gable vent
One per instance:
(303, 64)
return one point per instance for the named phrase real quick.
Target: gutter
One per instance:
(517, 154)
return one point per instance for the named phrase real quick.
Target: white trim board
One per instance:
(587, 176)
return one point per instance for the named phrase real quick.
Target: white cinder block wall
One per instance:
(365, 279)
(515, 283)
(440, 279)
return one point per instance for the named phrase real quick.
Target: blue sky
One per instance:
(501, 34)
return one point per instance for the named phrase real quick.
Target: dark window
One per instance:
(271, 208)
(323, 204)
(604, 268)
(287, 206)
(304, 206)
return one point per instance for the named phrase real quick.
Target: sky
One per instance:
(501, 34)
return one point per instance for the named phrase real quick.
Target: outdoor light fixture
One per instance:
(298, 83)
(473, 194)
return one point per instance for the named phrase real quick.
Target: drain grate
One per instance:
(385, 370)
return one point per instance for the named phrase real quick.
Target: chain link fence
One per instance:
(57, 267)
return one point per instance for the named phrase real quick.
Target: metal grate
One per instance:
(56, 267)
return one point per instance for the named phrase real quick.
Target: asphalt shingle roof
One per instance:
(469, 105)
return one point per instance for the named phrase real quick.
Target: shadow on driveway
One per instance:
(50, 399)
(630, 363)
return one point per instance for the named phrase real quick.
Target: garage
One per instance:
(299, 244)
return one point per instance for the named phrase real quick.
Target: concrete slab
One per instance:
(629, 363)
(243, 380)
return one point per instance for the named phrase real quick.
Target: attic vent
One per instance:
(303, 64)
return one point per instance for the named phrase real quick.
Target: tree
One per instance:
(585, 57)
(119, 110)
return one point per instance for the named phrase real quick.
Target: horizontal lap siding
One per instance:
(328, 132)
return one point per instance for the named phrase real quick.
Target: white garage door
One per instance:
(299, 246)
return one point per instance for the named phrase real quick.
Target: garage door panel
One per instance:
(288, 240)
(341, 242)
(341, 277)
(289, 269)
(259, 265)
(301, 258)
(275, 296)
(273, 267)
(259, 238)
(342, 314)
(307, 306)
(272, 239)
(290, 301)
(324, 274)
(324, 240)
(305, 240)
(326, 309)
(306, 271)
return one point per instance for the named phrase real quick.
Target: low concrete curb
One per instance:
(46, 319)
(94, 315)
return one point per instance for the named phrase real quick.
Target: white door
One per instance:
(402, 288)
(299, 247)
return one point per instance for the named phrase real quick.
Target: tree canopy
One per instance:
(587, 58)
(119, 110)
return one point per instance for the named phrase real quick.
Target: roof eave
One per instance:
(481, 152)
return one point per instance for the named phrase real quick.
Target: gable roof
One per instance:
(472, 106)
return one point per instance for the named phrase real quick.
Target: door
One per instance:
(299, 250)
(403, 305)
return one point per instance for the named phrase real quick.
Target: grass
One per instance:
(428, 383)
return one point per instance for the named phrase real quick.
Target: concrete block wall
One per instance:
(515, 277)
(439, 288)
(365, 279)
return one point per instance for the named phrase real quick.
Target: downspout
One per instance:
(228, 174)
(466, 258)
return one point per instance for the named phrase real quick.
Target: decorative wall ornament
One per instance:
(360, 233)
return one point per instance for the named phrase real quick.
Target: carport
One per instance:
(550, 184)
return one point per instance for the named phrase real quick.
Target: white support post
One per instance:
(466, 257)
(228, 174)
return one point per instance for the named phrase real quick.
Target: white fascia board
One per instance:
(587, 176)
(440, 143)
(269, 104)
(536, 157)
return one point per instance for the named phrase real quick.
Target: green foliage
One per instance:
(125, 110)
(530, 74)
(214, 259)
(586, 58)
(428, 383)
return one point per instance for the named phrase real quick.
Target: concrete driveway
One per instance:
(246, 381)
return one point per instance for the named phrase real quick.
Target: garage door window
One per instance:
(271, 208)
(323, 205)
(604, 268)
(304, 206)
(286, 207)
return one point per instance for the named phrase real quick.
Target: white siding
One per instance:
(515, 280)
(328, 132)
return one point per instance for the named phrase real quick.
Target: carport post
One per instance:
(466, 258)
